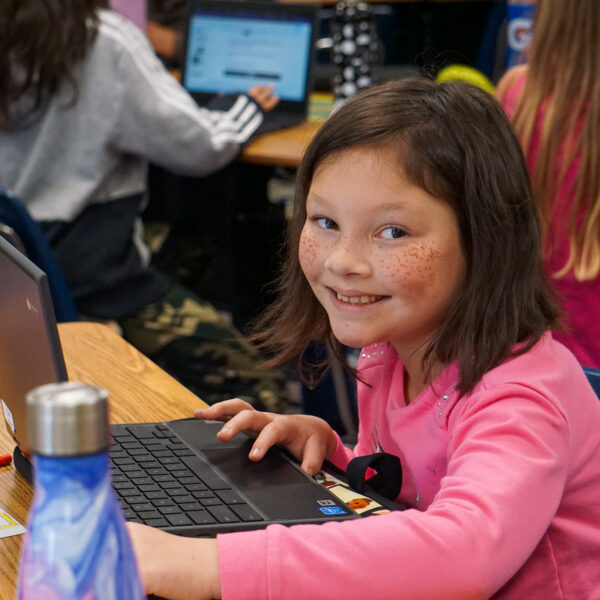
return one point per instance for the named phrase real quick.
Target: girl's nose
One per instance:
(347, 258)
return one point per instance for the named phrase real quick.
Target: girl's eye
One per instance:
(392, 233)
(326, 223)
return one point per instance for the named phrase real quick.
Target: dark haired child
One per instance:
(85, 105)
(415, 236)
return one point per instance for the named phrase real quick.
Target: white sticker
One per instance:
(8, 416)
(9, 525)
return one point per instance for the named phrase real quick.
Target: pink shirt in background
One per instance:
(579, 299)
(134, 10)
(504, 485)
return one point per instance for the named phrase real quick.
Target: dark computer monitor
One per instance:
(30, 351)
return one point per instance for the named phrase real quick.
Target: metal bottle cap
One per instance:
(67, 419)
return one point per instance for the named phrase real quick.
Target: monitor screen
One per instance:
(229, 53)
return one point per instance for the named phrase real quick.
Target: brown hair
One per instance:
(40, 42)
(563, 80)
(455, 142)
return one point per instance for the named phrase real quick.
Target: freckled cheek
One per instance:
(416, 267)
(308, 253)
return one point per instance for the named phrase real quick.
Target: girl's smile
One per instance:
(382, 255)
(356, 298)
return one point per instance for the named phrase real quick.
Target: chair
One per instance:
(334, 397)
(593, 376)
(18, 227)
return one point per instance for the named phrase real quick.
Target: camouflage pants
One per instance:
(188, 338)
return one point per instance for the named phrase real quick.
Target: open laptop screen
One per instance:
(30, 352)
(231, 48)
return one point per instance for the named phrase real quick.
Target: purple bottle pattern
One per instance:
(77, 547)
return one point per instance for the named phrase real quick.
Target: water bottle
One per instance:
(76, 546)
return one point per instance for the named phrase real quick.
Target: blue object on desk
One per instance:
(76, 545)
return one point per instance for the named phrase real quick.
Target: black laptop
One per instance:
(173, 475)
(231, 46)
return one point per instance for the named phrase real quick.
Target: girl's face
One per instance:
(382, 256)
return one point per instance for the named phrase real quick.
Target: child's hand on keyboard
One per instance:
(310, 439)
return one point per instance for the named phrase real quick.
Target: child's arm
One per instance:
(187, 568)
(310, 439)
(164, 40)
(154, 117)
(506, 474)
(176, 567)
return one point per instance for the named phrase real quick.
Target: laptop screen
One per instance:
(232, 47)
(30, 352)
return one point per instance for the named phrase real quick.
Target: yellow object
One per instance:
(465, 73)
(319, 106)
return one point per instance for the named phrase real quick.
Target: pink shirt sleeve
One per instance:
(507, 468)
(342, 455)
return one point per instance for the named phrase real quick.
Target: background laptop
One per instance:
(231, 46)
(173, 475)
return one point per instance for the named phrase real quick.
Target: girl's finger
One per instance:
(278, 431)
(222, 411)
(246, 420)
(256, 93)
(313, 455)
(270, 103)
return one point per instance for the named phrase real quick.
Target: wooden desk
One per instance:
(139, 391)
(283, 148)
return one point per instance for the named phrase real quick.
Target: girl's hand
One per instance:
(175, 567)
(263, 95)
(310, 439)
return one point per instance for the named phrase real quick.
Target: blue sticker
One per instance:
(332, 510)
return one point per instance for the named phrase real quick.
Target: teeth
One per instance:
(358, 299)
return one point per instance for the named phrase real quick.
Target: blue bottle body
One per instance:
(76, 546)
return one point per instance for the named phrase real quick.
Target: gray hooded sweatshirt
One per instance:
(80, 163)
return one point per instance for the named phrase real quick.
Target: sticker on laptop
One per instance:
(332, 510)
(359, 503)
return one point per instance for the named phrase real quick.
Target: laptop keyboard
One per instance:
(161, 482)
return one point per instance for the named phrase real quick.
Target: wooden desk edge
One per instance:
(138, 391)
(283, 148)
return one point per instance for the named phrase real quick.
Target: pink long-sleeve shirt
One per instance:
(504, 485)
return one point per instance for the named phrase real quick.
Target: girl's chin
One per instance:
(353, 341)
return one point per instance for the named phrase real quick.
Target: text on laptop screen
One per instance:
(230, 54)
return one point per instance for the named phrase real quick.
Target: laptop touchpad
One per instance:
(273, 469)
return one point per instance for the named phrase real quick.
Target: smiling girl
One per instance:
(415, 237)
